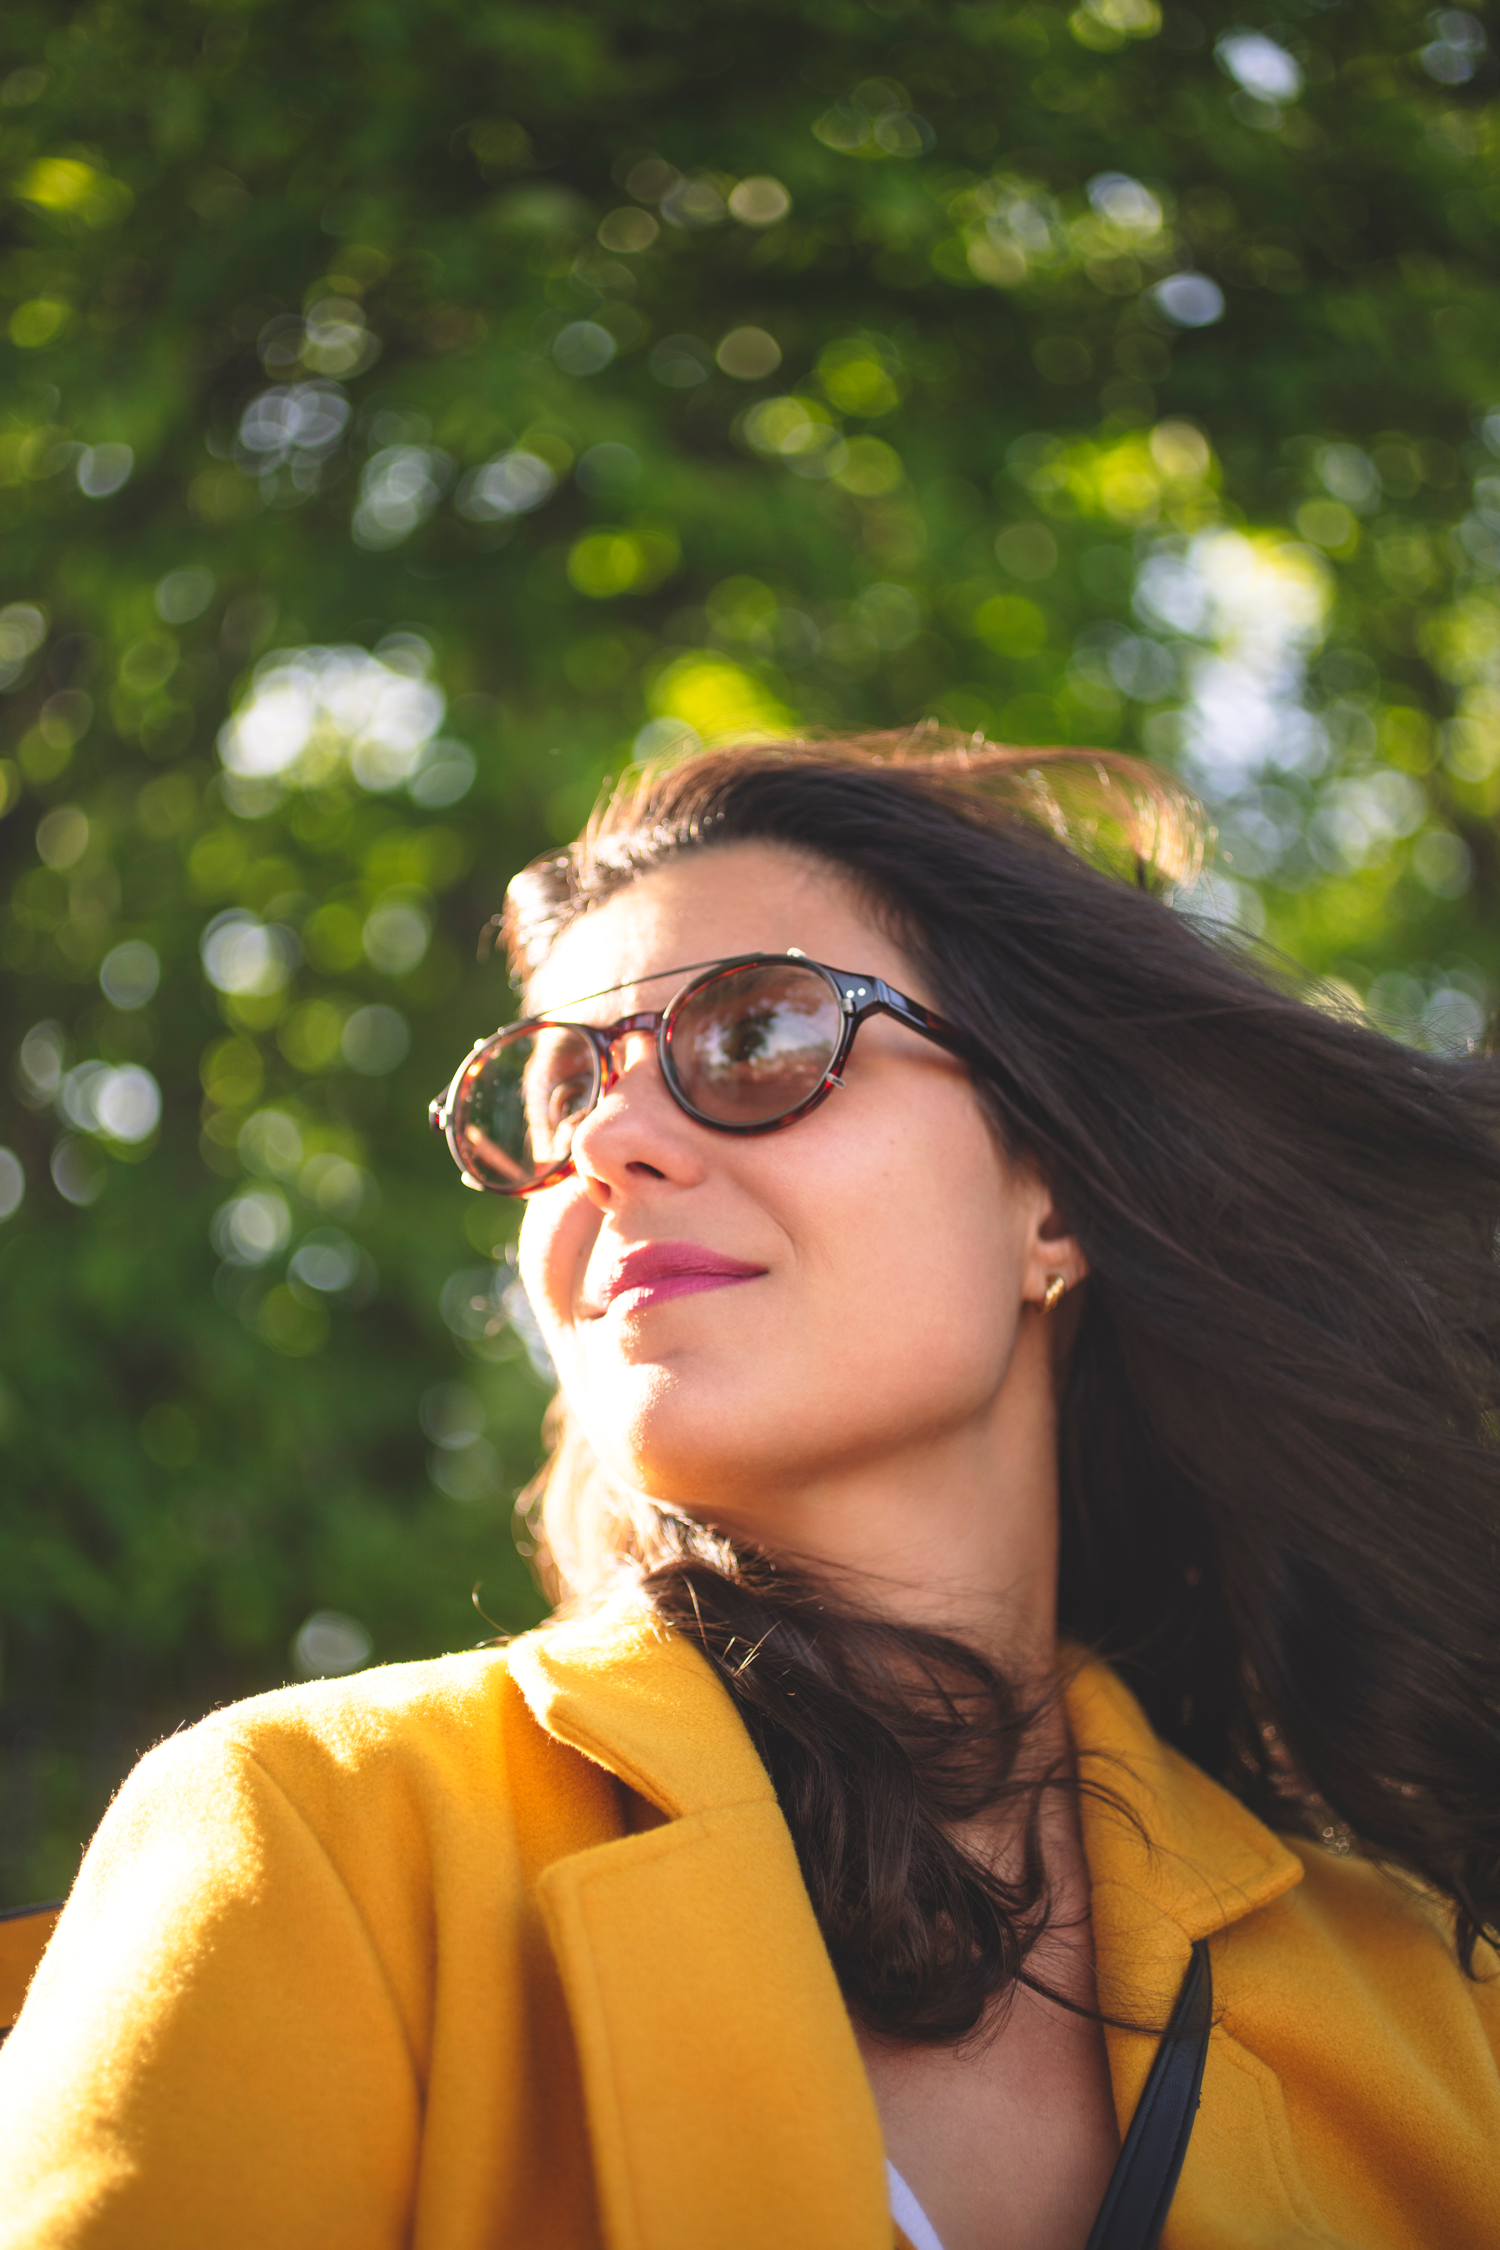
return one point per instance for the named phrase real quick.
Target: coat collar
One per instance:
(726, 2097)
(1172, 1858)
(1155, 1825)
(642, 1701)
(645, 1703)
(701, 1992)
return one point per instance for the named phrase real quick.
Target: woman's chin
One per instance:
(682, 1444)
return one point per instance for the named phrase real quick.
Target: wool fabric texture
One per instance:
(380, 1962)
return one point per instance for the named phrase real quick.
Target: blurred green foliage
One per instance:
(409, 409)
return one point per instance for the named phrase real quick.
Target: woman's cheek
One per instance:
(554, 1246)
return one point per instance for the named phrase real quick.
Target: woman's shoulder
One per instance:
(1308, 1940)
(538, 1697)
(388, 1788)
(421, 1758)
(1373, 2059)
(362, 1714)
(445, 1786)
(1371, 1913)
(284, 1907)
(1364, 1957)
(388, 1718)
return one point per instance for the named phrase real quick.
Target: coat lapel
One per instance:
(727, 2101)
(1172, 1858)
(728, 2105)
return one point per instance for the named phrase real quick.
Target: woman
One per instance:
(960, 1270)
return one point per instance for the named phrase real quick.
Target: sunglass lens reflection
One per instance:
(750, 1045)
(519, 1101)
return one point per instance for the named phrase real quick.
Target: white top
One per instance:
(908, 2213)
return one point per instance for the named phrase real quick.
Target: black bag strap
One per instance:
(1144, 2181)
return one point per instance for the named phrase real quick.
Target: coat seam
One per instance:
(366, 1935)
(628, 2235)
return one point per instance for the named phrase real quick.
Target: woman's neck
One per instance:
(958, 1533)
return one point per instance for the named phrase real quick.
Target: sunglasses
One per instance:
(745, 1046)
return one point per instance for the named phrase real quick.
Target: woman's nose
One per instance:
(635, 1129)
(628, 1049)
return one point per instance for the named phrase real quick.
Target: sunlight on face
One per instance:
(841, 1291)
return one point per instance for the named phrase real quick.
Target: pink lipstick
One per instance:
(654, 1271)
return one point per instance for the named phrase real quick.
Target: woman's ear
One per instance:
(1054, 1260)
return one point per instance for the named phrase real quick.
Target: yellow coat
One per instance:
(377, 1962)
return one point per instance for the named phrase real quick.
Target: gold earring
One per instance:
(1056, 1290)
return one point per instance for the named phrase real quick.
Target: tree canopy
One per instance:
(411, 414)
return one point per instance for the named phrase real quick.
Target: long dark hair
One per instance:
(1279, 1479)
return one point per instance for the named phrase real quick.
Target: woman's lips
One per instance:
(655, 1271)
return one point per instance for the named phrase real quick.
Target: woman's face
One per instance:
(866, 1266)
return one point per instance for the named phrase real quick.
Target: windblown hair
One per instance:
(1279, 1481)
